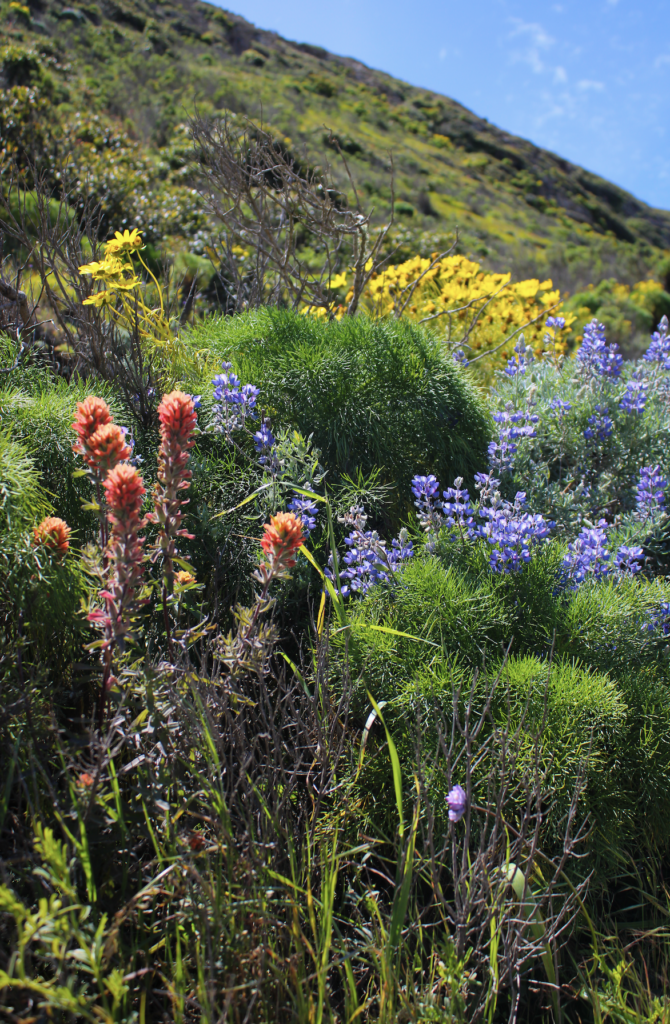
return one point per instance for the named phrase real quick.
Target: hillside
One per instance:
(124, 77)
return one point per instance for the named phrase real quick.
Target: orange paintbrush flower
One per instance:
(91, 414)
(107, 448)
(178, 421)
(52, 534)
(281, 539)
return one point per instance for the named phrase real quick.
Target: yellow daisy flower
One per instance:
(124, 241)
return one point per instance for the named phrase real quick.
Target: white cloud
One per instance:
(537, 39)
(560, 75)
(586, 84)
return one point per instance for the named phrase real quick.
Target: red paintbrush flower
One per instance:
(52, 534)
(106, 449)
(91, 414)
(178, 421)
(281, 539)
(124, 490)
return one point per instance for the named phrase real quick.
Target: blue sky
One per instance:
(588, 80)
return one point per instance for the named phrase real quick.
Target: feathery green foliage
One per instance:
(372, 394)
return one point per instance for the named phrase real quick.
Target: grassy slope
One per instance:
(150, 63)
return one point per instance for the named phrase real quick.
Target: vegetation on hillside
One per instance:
(118, 106)
(334, 545)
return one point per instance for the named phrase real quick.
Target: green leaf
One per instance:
(395, 764)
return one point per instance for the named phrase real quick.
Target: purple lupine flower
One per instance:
(595, 355)
(502, 452)
(659, 349)
(629, 559)
(426, 492)
(559, 407)
(457, 508)
(306, 509)
(660, 619)
(523, 356)
(588, 554)
(197, 401)
(459, 356)
(487, 485)
(367, 561)
(557, 322)
(512, 532)
(264, 438)
(457, 802)
(650, 491)
(635, 396)
(601, 426)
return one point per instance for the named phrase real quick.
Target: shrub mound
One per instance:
(374, 394)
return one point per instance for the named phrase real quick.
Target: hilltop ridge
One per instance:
(149, 64)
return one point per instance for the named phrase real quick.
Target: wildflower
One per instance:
(600, 425)
(126, 241)
(457, 802)
(557, 323)
(178, 420)
(457, 508)
(53, 534)
(184, 578)
(91, 414)
(264, 438)
(635, 396)
(124, 490)
(512, 532)
(595, 355)
(629, 559)
(523, 356)
(588, 554)
(106, 448)
(502, 452)
(234, 401)
(86, 780)
(281, 539)
(426, 492)
(650, 491)
(306, 509)
(560, 407)
(659, 349)
(368, 561)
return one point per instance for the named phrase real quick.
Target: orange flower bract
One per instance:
(282, 537)
(52, 534)
(91, 414)
(107, 447)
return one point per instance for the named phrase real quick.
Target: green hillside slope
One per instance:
(142, 67)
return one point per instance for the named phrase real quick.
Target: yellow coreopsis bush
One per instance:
(479, 311)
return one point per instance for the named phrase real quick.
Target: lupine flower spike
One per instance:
(53, 535)
(457, 803)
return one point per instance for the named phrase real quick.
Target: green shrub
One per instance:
(607, 709)
(374, 394)
(40, 418)
(23, 501)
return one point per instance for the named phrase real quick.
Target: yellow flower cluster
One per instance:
(123, 298)
(477, 309)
